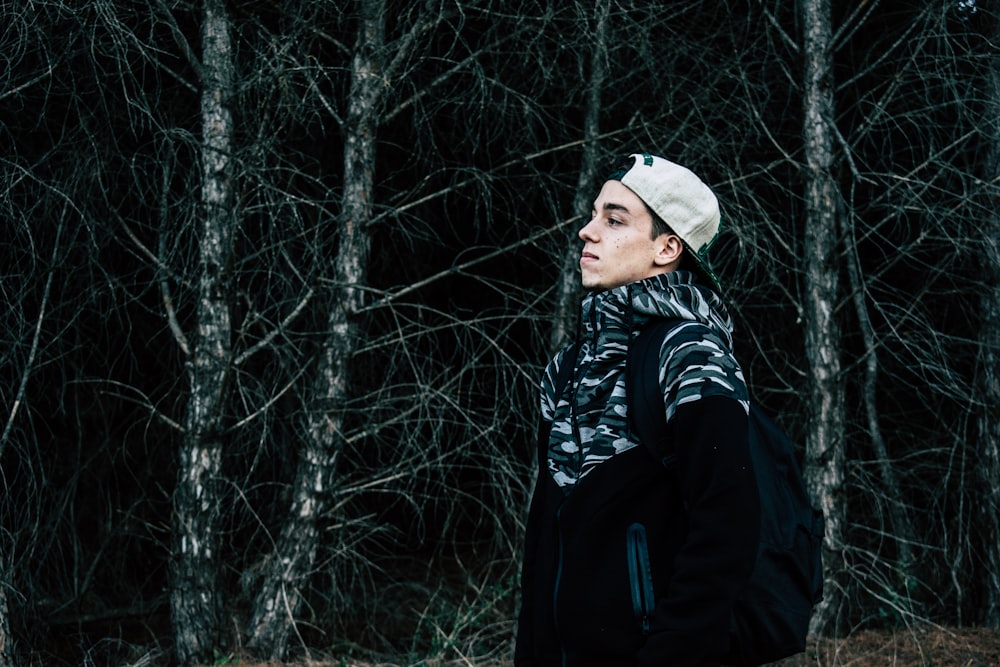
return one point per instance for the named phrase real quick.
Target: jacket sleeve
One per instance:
(715, 559)
(524, 641)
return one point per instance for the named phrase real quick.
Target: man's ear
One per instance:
(669, 249)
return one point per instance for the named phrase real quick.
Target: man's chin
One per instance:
(589, 281)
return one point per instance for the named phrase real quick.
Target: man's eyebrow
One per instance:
(612, 206)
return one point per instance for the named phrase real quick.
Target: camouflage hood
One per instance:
(589, 421)
(611, 318)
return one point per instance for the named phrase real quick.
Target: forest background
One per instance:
(279, 278)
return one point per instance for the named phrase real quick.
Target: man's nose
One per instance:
(587, 232)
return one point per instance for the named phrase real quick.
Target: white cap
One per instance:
(681, 199)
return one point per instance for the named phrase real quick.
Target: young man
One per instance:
(628, 562)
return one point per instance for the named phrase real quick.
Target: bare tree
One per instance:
(6, 639)
(989, 337)
(825, 455)
(48, 294)
(277, 603)
(419, 406)
(568, 288)
(889, 486)
(33, 335)
(903, 530)
(196, 601)
(909, 183)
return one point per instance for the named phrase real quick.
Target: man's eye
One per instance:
(614, 222)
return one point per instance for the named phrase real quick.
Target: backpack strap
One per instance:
(647, 415)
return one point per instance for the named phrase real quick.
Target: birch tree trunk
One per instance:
(825, 459)
(568, 286)
(6, 641)
(289, 567)
(990, 346)
(195, 601)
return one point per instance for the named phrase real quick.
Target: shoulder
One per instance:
(692, 335)
(692, 343)
(696, 362)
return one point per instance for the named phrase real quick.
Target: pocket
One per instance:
(640, 575)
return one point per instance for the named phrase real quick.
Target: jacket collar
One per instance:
(614, 316)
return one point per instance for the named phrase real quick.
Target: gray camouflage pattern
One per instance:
(590, 421)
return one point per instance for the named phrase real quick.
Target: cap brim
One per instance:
(703, 269)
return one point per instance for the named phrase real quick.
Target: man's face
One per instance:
(618, 248)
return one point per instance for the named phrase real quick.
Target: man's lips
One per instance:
(587, 257)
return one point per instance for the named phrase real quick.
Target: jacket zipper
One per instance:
(640, 575)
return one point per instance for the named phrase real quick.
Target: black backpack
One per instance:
(771, 618)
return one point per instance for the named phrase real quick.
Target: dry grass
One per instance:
(920, 647)
(925, 646)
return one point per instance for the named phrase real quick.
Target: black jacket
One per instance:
(638, 564)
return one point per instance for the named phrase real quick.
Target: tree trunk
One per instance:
(903, 531)
(825, 458)
(990, 346)
(6, 641)
(195, 600)
(289, 567)
(568, 286)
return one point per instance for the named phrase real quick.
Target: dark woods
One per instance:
(279, 279)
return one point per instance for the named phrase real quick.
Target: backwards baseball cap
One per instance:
(681, 199)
